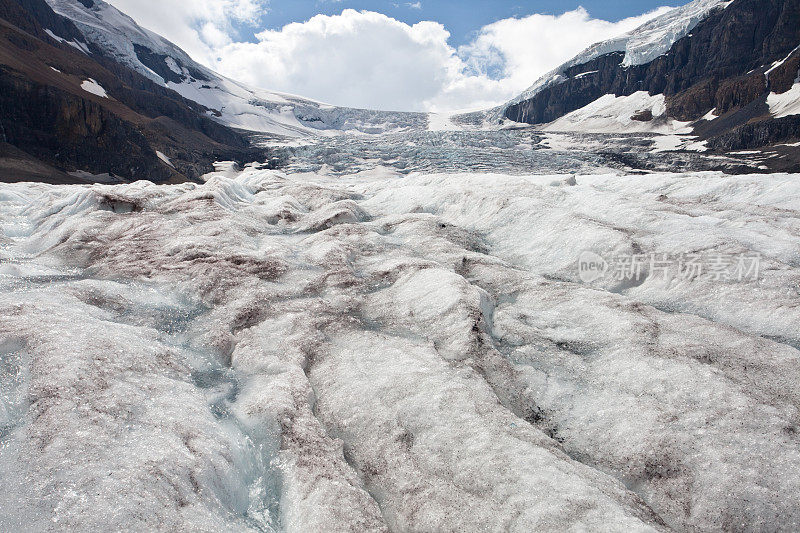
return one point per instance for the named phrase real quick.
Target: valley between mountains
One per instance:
(224, 308)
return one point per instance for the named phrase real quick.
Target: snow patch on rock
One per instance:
(91, 86)
(164, 158)
(785, 104)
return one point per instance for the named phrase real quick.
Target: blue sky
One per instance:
(462, 18)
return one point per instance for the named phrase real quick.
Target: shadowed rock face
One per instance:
(46, 114)
(758, 134)
(72, 131)
(721, 65)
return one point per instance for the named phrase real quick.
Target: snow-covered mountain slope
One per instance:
(640, 46)
(272, 352)
(118, 36)
(638, 112)
(232, 103)
(697, 61)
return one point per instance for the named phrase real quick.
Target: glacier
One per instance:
(380, 351)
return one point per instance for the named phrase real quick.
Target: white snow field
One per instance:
(377, 352)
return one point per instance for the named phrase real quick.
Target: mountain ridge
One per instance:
(230, 102)
(721, 75)
(726, 65)
(48, 116)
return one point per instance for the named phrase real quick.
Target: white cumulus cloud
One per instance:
(358, 58)
(367, 59)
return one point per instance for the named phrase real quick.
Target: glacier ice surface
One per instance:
(385, 352)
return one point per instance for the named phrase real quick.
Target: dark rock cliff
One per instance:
(73, 133)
